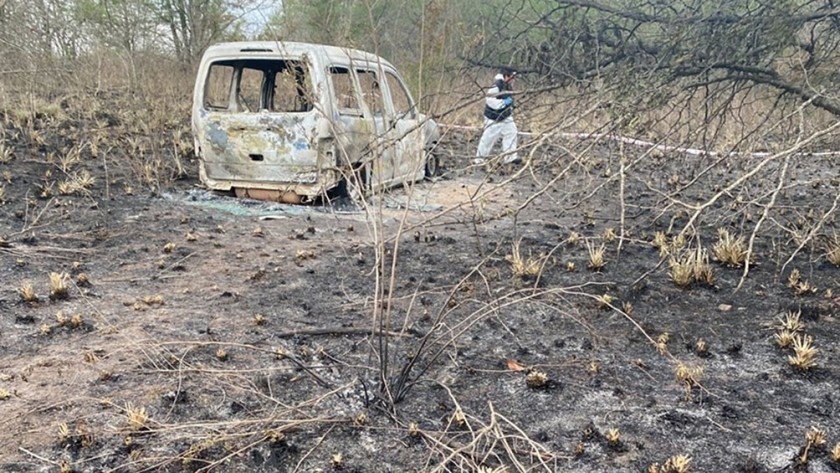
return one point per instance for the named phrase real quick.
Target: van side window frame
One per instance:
(340, 97)
(385, 103)
(411, 113)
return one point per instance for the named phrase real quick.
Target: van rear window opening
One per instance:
(254, 85)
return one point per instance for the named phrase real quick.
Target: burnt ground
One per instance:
(242, 329)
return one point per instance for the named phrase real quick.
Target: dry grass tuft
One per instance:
(67, 188)
(832, 250)
(136, 416)
(536, 379)
(522, 267)
(805, 355)
(688, 376)
(662, 343)
(337, 462)
(814, 438)
(701, 348)
(730, 250)
(678, 243)
(27, 292)
(794, 278)
(221, 354)
(702, 269)
(2, 194)
(681, 272)
(5, 153)
(791, 322)
(4, 394)
(613, 436)
(459, 418)
(605, 301)
(804, 288)
(660, 241)
(58, 286)
(784, 339)
(63, 433)
(280, 353)
(78, 182)
(835, 452)
(146, 302)
(690, 267)
(596, 257)
(677, 464)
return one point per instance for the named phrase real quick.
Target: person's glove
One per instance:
(508, 101)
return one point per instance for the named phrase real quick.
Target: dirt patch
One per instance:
(203, 332)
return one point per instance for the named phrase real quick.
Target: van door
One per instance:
(381, 146)
(409, 153)
(256, 130)
(355, 128)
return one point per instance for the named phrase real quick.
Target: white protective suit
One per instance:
(501, 125)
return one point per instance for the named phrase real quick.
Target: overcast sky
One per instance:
(258, 15)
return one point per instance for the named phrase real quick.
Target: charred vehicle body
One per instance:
(291, 121)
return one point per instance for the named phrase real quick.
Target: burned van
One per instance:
(291, 121)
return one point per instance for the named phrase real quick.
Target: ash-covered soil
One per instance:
(202, 332)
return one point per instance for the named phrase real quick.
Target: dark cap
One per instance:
(507, 71)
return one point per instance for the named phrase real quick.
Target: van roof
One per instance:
(240, 49)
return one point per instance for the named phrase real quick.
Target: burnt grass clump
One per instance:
(463, 327)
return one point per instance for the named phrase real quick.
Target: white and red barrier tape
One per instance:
(648, 144)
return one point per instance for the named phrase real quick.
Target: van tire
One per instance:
(354, 184)
(432, 164)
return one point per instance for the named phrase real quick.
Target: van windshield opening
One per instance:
(254, 85)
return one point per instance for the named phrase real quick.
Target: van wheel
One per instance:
(432, 163)
(354, 185)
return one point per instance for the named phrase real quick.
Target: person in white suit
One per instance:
(498, 120)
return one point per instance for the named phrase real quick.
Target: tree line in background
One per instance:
(644, 54)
